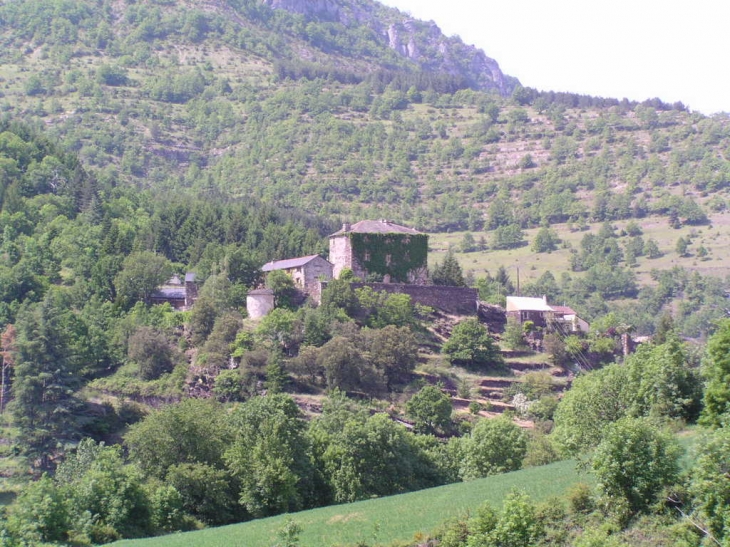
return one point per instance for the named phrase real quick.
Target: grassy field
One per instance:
(383, 520)
(715, 237)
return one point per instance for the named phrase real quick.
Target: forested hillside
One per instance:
(357, 111)
(145, 139)
(296, 109)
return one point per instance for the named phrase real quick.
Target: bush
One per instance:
(151, 350)
(633, 462)
(494, 446)
(229, 386)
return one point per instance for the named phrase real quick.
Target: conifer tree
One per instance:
(448, 272)
(45, 380)
(717, 374)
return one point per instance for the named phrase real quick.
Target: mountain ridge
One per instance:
(409, 36)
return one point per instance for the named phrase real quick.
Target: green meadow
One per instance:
(383, 520)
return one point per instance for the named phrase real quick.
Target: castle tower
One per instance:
(382, 250)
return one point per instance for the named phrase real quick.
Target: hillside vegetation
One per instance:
(387, 520)
(357, 111)
(145, 139)
(170, 95)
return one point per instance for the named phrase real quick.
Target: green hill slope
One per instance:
(383, 520)
(301, 109)
(333, 111)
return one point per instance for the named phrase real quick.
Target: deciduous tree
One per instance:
(471, 346)
(142, 272)
(634, 461)
(269, 456)
(430, 410)
(494, 446)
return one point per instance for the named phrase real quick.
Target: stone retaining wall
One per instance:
(456, 300)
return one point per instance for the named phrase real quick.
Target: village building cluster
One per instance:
(387, 257)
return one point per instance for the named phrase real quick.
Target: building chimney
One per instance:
(346, 227)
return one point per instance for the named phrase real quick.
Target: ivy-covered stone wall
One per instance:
(400, 257)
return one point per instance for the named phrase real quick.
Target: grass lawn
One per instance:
(382, 520)
(714, 237)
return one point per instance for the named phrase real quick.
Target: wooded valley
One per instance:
(143, 140)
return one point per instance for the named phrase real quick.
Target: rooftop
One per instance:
(565, 310)
(167, 293)
(526, 303)
(288, 264)
(256, 292)
(381, 226)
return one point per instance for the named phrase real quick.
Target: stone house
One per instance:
(544, 315)
(567, 317)
(180, 295)
(306, 271)
(380, 250)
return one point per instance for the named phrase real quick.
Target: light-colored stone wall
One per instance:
(315, 270)
(259, 305)
(341, 257)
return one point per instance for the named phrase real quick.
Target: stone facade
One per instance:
(402, 240)
(306, 272)
(544, 315)
(181, 296)
(342, 258)
(259, 303)
(191, 289)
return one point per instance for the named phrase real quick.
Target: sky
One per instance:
(677, 50)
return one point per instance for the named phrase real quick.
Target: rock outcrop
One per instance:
(421, 42)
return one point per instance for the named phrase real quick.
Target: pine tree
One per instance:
(45, 380)
(448, 272)
(502, 277)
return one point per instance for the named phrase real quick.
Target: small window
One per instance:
(388, 259)
(366, 256)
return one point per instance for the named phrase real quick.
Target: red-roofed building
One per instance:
(569, 318)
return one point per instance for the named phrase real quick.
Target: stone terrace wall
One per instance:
(457, 300)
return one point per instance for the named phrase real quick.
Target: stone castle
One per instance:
(384, 255)
(380, 250)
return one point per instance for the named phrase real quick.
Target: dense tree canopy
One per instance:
(717, 373)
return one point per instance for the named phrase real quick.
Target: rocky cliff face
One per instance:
(326, 10)
(421, 42)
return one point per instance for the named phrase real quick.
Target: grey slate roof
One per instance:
(376, 227)
(169, 293)
(288, 264)
(261, 292)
